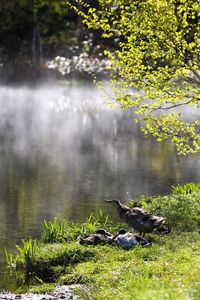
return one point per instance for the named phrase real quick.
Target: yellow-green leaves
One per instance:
(156, 65)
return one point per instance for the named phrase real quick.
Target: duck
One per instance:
(128, 240)
(101, 236)
(123, 239)
(141, 221)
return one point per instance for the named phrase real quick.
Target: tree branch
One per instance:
(197, 75)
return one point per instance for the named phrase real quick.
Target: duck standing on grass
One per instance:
(139, 220)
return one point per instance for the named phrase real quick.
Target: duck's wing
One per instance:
(145, 216)
(135, 218)
(126, 241)
(140, 213)
(131, 217)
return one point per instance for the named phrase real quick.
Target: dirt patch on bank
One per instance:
(61, 292)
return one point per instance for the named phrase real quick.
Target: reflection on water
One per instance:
(62, 152)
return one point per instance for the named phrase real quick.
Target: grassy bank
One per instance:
(169, 269)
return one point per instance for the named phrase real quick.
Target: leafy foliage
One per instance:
(157, 66)
(188, 188)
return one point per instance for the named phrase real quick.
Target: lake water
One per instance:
(63, 151)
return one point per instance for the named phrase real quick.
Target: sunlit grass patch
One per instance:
(170, 267)
(157, 272)
(44, 288)
(52, 260)
(168, 270)
(188, 188)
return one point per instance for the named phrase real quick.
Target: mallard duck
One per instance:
(140, 220)
(128, 240)
(101, 236)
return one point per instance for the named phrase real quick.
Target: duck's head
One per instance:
(122, 231)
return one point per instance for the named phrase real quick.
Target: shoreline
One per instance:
(61, 292)
(108, 270)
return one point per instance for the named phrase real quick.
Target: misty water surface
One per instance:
(63, 151)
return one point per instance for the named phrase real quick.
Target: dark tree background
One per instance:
(35, 29)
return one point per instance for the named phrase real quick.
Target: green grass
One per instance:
(169, 270)
(63, 231)
(188, 188)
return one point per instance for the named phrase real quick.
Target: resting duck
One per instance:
(139, 220)
(123, 239)
(127, 240)
(101, 237)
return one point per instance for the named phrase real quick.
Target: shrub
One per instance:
(188, 188)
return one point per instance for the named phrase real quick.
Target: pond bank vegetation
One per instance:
(169, 269)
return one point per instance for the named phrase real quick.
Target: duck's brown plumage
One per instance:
(141, 221)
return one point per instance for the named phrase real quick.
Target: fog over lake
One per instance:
(63, 151)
